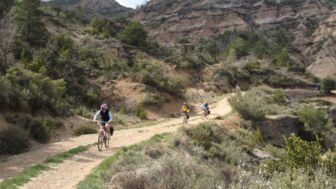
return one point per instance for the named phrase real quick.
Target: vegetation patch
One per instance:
(84, 130)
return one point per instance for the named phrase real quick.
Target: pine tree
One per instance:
(31, 28)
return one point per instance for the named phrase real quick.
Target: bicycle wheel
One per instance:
(100, 140)
(185, 120)
(107, 139)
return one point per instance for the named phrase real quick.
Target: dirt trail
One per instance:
(73, 170)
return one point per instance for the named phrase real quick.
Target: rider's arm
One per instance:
(111, 117)
(96, 116)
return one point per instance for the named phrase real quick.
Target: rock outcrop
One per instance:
(168, 21)
(276, 127)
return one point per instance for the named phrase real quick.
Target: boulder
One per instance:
(276, 127)
(332, 114)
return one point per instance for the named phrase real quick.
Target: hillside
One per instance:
(94, 7)
(172, 21)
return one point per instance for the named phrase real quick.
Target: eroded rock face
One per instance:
(275, 128)
(171, 20)
(323, 50)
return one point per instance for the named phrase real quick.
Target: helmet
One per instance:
(104, 107)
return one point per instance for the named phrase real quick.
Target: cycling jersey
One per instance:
(185, 109)
(104, 116)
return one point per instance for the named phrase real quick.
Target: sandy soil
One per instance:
(73, 170)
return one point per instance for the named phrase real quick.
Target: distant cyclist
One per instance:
(206, 110)
(104, 117)
(185, 113)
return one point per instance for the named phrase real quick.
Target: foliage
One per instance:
(330, 162)
(155, 76)
(279, 97)
(40, 92)
(39, 130)
(315, 119)
(140, 112)
(282, 59)
(108, 27)
(328, 84)
(13, 140)
(84, 130)
(134, 34)
(297, 154)
(249, 106)
(5, 5)
(239, 47)
(31, 28)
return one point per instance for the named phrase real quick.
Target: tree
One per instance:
(31, 28)
(134, 34)
(5, 5)
(328, 84)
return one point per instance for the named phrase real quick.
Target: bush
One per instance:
(330, 163)
(140, 112)
(328, 84)
(315, 119)
(279, 97)
(297, 154)
(134, 34)
(249, 106)
(84, 130)
(39, 130)
(13, 141)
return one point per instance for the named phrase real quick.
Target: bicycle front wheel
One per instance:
(100, 141)
(107, 139)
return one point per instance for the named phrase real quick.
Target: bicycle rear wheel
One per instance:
(100, 140)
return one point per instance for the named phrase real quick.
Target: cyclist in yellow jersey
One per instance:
(185, 110)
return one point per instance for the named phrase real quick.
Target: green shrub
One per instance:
(330, 163)
(301, 154)
(140, 112)
(13, 141)
(239, 46)
(249, 106)
(297, 154)
(39, 130)
(84, 130)
(154, 99)
(328, 84)
(279, 97)
(123, 110)
(315, 119)
(134, 34)
(202, 135)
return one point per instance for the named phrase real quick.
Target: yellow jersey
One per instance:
(185, 109)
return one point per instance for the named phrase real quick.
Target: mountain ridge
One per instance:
(95, 7)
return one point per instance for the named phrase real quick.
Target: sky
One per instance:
(131, 3)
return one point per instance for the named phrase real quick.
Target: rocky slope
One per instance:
(101, 7)
(170, 21)
(324, 49)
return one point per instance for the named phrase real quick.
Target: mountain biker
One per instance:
(105, 116)
(185, 110)
(206, 109)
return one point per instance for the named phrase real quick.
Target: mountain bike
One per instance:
(206, 114)
(185, 119)
(104, 136)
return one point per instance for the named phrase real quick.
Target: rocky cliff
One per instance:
(307, 21)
